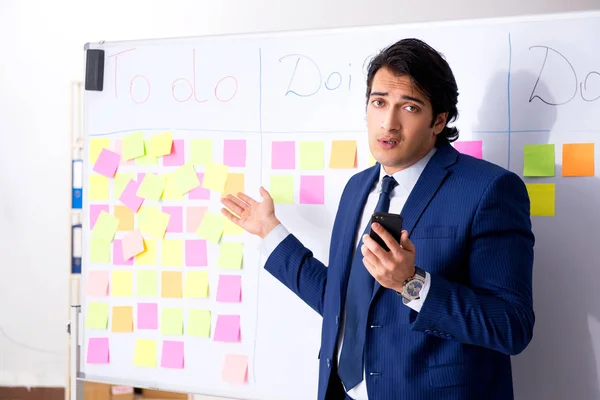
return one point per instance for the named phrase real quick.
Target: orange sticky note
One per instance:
(578, 159)
(171, 286)
(343, 154)
(125, 217)
(122, 319)
(234, 184)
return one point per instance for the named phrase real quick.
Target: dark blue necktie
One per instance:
(358, 297)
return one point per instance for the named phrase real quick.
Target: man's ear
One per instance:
(440, 123)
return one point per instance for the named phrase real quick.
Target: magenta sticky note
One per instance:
(98, 351)
(230, 289)
(234, 153)
(195, 253)
(147, 316)
(199, 193)
(172, 354)
(95, 213)
(228, 328)
(129, 196)
(312, 189)
(177, 156)
(176, 220)
(119, 149)
(118, 257)
(107, 163)
(471, 147)
(283, 155)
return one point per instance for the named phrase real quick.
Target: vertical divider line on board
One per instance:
(508, 96)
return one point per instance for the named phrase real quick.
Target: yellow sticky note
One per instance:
(185, 178)
(343, 154)
(133, 146)
(151, 187)
(542, 198)
(172, 253)
(125, 217)
(230, 255)
(196, 284)
(147, 283)
(122, 284)
(121, 181)
(106, 226)
(97, 315)
(282, 189)
(171, 284)
(145, 214)
(171, 321)
(99, 250)
(145, 353)
(211, 228)
(198, 323)
(96, 146)
(148, 256)
(578, 159)
(232, 229)
(161, 144)
(201, 151)
(98, 187)
(122, 319)
(312, 155)
(171, 190)
(372, 160)
(154, 223)
(234, 184)
(147, 159)
(215, 177)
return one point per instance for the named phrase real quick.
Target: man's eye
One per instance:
(377, 103)
(411, 109)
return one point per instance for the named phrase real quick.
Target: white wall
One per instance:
(41, 53)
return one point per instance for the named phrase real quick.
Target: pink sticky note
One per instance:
(147, 316)
(119, 150)
(132, 245)
(95, 213)
(172, 354)
(97, 283)
(234, 153)
(119, 254)
(97, 352)
(312, 190)
(229, 289)
(194, 217)
(107, 163)
(283, 155)
(471, 147)
(129, 196)
(228, 328)
(195, 253)
(235, 369)
(177, 156)
(199, 193)
(176, 219)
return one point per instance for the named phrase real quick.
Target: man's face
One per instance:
(399, 121)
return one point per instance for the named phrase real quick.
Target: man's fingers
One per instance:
(234, 204)
(374, 247)
(265, 195)
(387, 237)
(230, 216)
(406, 243)
(247, 199)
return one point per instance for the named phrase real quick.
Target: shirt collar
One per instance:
(407, 178)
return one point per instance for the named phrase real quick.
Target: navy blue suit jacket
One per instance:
(469, 221)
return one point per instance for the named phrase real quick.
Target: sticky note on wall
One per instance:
(97, 315)
(96, 146)
(196, 284)
(145, 353)
(172, 354)
(201, 151)
(235, 369)
(538, 160)
(199, 323)
(122, 283)
(283, 155)
(281, 189)
(171, 285)
(542, 198)
(161, 144)
(578, 159)
(171, 321)
(98, 351)
(470, 147)
(147, 283)
(230, 255)
(97, 283)
(343, 154)
(312, 190)
(228, 328)
(234, 153)
(147, 316)
(122, 319)
(133, 146)
(312, 155)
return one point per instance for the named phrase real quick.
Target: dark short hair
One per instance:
(429, 72)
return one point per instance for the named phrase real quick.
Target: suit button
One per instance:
(449, 336)
(427, 331)
(436, 333)
(328, 363)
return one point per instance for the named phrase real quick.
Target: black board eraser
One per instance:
(94, 70)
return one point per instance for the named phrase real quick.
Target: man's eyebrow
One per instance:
(409, 98)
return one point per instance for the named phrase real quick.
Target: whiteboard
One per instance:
(522, 81)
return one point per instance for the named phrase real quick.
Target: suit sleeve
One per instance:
(495, 308)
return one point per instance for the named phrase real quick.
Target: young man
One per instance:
(440, 314)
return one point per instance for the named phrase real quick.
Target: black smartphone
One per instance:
(390, 222)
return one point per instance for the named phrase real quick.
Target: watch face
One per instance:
(413, 288)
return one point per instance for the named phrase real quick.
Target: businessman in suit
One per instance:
(438, 315)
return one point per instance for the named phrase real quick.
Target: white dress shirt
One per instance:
(407, 180)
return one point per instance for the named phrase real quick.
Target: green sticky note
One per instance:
(97, 315)
(312, 155)
(99, 250)
(154, 223)
(106, 227)
(161, 144)
(147, 283)
(215, 177)
(145, 353)
(230, 255)
(171, 189)
(538, 160)
(542, 198)
(152, 187)
(201, 152)
(196, 284)
(121, 180)
(199, 323)
(211, 228)
(172, 253)
(171, 321)
(185, 178)
(122, 284)
(147, 159)
(282, 189)
(133, 146)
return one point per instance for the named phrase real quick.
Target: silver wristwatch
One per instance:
(411, 289)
